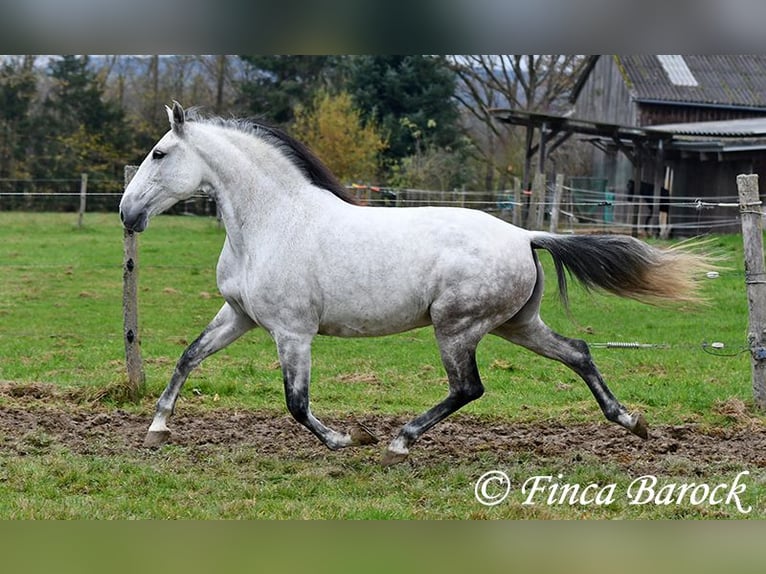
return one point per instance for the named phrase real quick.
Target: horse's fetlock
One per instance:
(616, 414)
(465, 395)
(333, 445)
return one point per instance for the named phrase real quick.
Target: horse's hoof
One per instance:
(156, 438)
(392, 457)
(361, 435)
(640, 428)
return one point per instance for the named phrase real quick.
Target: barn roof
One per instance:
(737, 81)
(728, 136)
(745, 128)
(742, 129)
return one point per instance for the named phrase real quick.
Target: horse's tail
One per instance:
(625, 266)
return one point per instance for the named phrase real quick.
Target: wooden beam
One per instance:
(629, 153)
(559, 140)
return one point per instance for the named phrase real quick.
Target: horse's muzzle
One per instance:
(136, 222)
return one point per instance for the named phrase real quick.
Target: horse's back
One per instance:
(396, 269)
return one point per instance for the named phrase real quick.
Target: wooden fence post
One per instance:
(133, 361)
(755, 279)
(518, 206)
(558, 192)
(83, 197)
(537, 203)
(541, 196)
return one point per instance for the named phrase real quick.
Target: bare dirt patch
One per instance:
(34, 418)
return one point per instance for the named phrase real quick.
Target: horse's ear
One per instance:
(176, 117)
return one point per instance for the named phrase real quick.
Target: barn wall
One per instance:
(605, 96)
(711, 181)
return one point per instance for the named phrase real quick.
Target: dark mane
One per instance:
(301, 156)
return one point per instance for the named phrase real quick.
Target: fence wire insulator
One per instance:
(719, 349)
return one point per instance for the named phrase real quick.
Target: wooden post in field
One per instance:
(635, 197)
(541, 193)
(537, 203)
(532, 206)
(518, 207)
(133, 361)
(83, 197)
(558, 192)
(755, 279)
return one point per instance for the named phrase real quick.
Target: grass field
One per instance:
(60, 326)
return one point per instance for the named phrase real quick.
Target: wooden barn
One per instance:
(669, 135)
(705, 120)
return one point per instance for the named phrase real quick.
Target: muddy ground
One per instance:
(35, 416)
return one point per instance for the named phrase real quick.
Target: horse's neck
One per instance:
(256, 187)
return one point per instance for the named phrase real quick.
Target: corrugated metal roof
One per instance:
(703, 137)
(755, 127)
(735, 80)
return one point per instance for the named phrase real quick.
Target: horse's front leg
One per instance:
(226, 327)
(295, 359)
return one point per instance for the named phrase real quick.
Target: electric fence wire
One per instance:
(716, 348)
(587, 198)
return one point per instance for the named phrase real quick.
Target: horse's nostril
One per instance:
(133, 222)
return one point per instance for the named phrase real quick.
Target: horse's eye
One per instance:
(157, 154)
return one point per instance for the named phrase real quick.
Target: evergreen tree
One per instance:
(276, 85)
(82, 132)
(18, 87)
(410, 97)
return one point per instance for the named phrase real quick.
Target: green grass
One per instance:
(61, 323)
(240, 484)
(60, 306)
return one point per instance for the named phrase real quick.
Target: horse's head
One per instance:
(171, 172)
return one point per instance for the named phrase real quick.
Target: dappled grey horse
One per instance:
(301, 259)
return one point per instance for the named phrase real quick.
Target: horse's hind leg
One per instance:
(295, 358)
(227, 326)
(459, 359)
(538, 337)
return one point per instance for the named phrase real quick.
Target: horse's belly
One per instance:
(372, 321)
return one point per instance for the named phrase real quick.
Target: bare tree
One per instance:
(220, 81)
(153, 111)
(143, 84)
(211, 82)
(524, 82)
